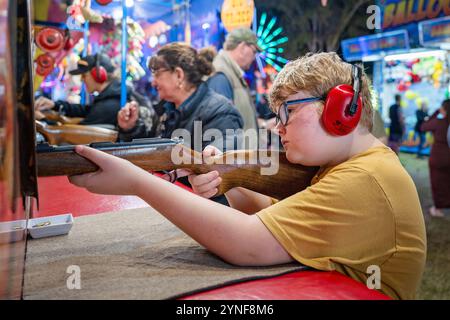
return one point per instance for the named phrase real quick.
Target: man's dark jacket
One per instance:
(103, 110)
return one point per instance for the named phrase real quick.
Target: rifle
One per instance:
(57, 117)
(74, 133)
(240, 168)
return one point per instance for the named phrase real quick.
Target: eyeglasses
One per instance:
(253, 47)
(158, 72)
(283, 112)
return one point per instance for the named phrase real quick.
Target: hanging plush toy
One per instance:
(81, 11)
(437, 73)
(89, 14)
(74, 11)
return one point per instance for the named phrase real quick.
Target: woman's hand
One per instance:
(115, 176)
(43, 103)
(128, 116)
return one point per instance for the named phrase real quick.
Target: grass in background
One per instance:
(436, 278)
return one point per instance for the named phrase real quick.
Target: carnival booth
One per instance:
(135, 29)
(58, 241)
(410, 56)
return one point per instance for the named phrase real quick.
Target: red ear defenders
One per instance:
(99, 73)
(343, 106)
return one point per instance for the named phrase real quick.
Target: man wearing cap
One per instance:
(240, 49)
(97, 73)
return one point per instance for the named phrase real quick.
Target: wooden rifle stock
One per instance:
(75, 133)
(236, 168)
(55, 116)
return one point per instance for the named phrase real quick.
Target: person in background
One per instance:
(97, 74)
(178, 76)
(240, 49)
(264, 112)
(266, 120)
(209, 53)
(397, 126)
(439, 161)
(421, 115)
(178, 73)
(448, 135)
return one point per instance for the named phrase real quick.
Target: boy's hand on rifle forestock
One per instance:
(115, 176)
(128, 116)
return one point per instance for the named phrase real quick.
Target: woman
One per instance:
(178, 73)
(439, 159)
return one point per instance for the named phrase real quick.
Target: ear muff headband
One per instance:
(356, 71)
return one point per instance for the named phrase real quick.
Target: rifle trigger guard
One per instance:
(173, 176)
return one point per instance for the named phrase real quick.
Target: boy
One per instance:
(361, 211)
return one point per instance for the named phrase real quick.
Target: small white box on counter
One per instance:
(50, 226)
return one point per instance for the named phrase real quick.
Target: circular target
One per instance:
(45, 63)
(50, 40)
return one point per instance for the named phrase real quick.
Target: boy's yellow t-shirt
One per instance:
(363, 212)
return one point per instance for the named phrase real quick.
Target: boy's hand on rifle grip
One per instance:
(115, 176)
(205, 185)
(128, 116)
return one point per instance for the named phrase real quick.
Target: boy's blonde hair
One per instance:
(318, 73)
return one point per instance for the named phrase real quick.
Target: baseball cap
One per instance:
(243, 35)
(87, 63)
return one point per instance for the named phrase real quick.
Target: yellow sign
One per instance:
(237, 14)
(397, 12)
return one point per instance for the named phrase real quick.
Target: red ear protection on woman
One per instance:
(99, 73)
(343, 106)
